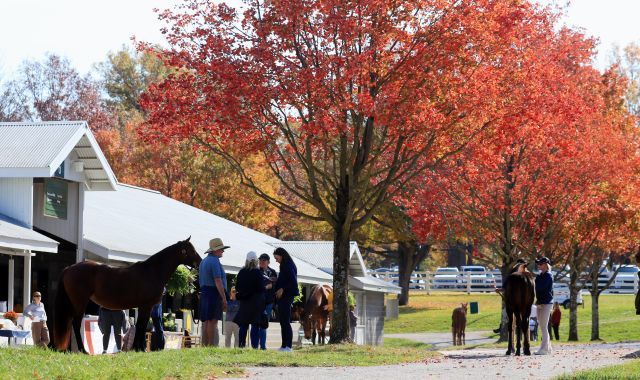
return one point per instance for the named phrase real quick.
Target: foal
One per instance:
(459, 324)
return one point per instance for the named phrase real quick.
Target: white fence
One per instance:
(488, 281)
(458, 282)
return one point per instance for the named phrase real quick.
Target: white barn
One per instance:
(60, 203)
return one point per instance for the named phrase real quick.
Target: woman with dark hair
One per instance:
(286, 291)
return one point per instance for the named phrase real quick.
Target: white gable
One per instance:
(38, 149)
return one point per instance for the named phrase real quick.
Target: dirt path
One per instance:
(488, 363)
(443, 340)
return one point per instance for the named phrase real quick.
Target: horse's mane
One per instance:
(158, 255)
(525, 272)
(315, 301)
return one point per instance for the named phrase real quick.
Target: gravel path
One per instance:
(476, 362)
(443, 340)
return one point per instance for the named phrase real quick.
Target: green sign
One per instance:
(55, 198)
(60, 171)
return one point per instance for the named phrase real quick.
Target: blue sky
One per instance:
(85, 30)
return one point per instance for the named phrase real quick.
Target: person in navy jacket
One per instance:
(544, 302)
(286, 290)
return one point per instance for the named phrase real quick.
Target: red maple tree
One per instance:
(346, 101)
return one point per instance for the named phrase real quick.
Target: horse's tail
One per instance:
(63, 316)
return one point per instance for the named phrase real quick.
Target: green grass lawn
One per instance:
(432, 313)
(196, 363)
(629, 370)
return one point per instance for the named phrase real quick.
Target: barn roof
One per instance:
(38, 149)
(320, 255)
(15, 238)
(133, 223)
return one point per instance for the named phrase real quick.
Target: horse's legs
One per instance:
(463, 337)
(525, 331)
(324, 330)
(510, 335)
(313, 335)
(77, 325)
(518, 332)
(139, 342)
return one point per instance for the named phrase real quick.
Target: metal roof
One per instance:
(320, 255)
(132, 223)
(16, 238)
(37, 149)
(374, 284)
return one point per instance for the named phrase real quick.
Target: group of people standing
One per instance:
(250, 303)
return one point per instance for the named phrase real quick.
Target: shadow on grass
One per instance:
(413, 310)
(633, 355)
(479, 319)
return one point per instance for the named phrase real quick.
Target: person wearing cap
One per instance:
(213, 288)
(250, 293)
(269, 277)
(35, 311)
(286, 291)
(544, 302)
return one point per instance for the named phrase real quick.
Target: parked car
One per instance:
(480, 278)
(497, 274)
(603, 278)
(414, 283)
(562, 295)
(382, 273)
(446, 278)
(625, 279)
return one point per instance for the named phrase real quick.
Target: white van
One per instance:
(561, 294)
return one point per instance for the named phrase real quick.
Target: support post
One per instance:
(80, 232)
(26, 289)
(10, 295)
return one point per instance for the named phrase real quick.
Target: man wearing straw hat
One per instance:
(213, 288)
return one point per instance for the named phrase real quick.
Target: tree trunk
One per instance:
(410, 254)
(406, 255)
(595, 316)
(504, 320)
(573, 306)
(342, 236)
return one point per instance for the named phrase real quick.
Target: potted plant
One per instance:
(181, 281)
(12, 316)
(169, 321)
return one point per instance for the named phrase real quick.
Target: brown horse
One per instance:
(139, 285)
(518, 297)
(315, 315)
(459, 324)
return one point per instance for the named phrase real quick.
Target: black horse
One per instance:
(518, 296)
(139, 285)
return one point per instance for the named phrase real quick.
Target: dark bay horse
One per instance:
(518, 297)
(315, 315)
(137, 286)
